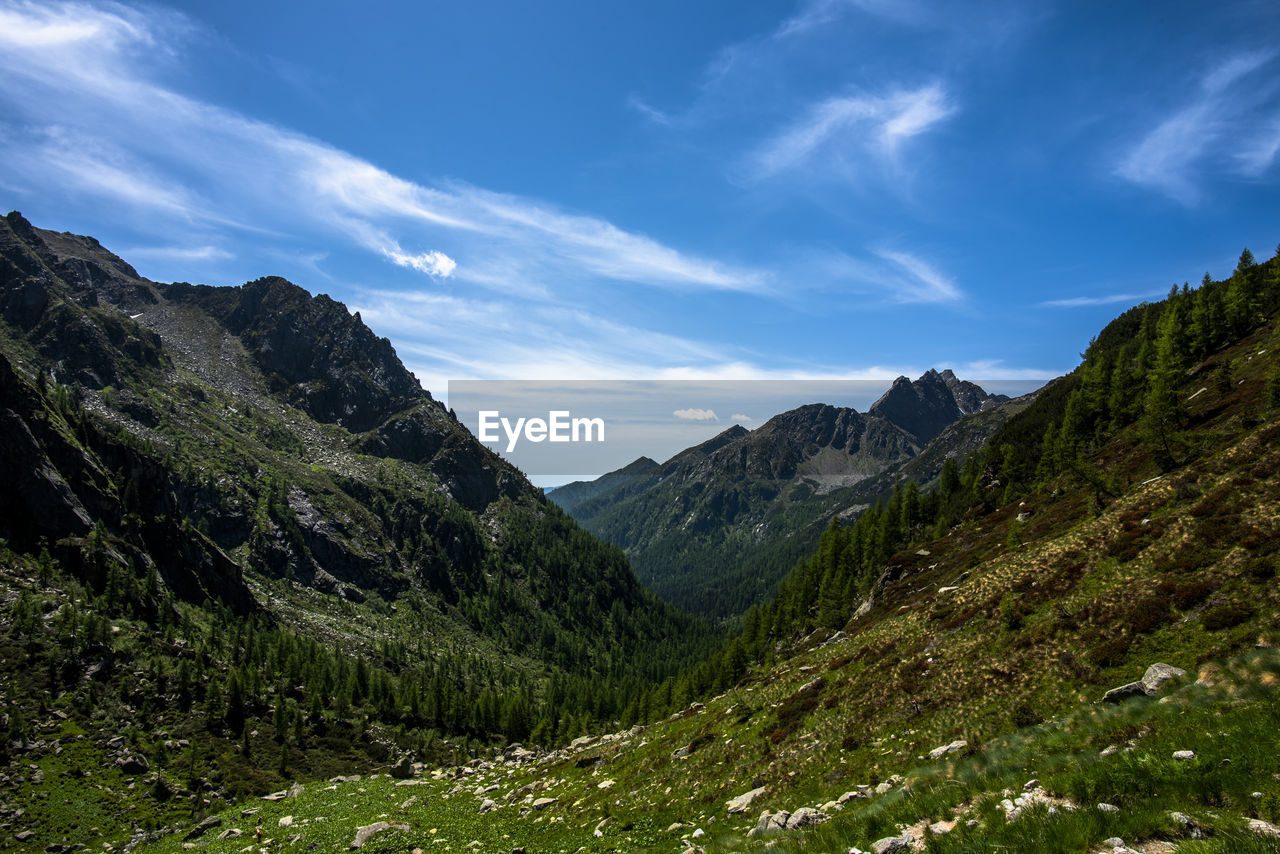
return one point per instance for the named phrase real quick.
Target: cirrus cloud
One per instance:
(848, 129)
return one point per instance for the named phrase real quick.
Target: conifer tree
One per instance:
(1162, 411)
(1208, 318)
(949, 479)
(1074, 432)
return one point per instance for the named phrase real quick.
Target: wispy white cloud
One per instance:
(649, 111)
(929, 285)
(900, 11)
(1231, 69)
(1258, 150)
(89, 66)
(444, 336)
(891, 275)
(852, 130)
(1215, 129)
(1107, 299)
(739, 417)
(179, 253)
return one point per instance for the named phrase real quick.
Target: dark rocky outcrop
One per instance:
(925, 407)
(318, 355)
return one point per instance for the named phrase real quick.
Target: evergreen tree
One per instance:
(1162, 410)
(1243, 296)
(1272, 393)
(1074, 432)
(949, 479)
(1047, 467)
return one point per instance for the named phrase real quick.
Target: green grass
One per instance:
(1232, 725)
(1234, 715)
(439, 816)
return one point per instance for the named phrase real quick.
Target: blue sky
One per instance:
(739, 189)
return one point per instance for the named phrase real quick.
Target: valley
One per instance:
(261, 590)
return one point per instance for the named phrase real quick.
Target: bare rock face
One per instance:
(925, 407)
(332, 366)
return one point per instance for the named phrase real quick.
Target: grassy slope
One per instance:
(1046, 615)
(1231, 715)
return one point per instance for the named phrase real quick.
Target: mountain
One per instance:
(1068, 646)
(573, 495)
(924, 408)
(231, 515)
(714, 528)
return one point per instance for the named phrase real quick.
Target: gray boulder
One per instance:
(743, 801)
(1264, 828)
(953, 747)
(891, 845)
(364, 833)
(805, 817)
(200, 829)
(1151, 683)
(1157, 675)
(772, 821)
(133, 764)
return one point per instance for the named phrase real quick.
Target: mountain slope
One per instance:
(578, 493)
(256, 534)
(715, 528)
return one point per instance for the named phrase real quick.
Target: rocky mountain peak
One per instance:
(926, 406)
(317, 354)
(715, 443)
(970, 397)
(93, 273)
(638, 466)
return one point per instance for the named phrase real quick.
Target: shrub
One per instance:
(1148, 614)
(1226, 616)
(1110, 652)
(1187, 594)
(840, 661)
(1010, 612)
(792, 713)
(1262, 568)
(1024, 715)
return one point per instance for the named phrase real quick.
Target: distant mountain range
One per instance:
(714, 528)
